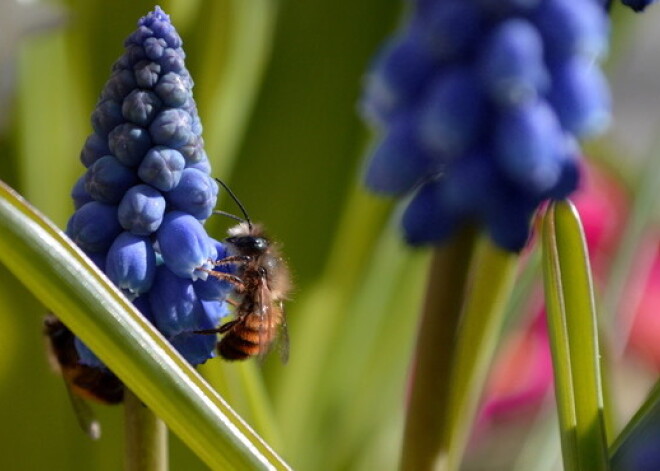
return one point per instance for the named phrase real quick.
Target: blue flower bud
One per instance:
(141, 210)
(79, 194)
(129, 143)
(581, 97)
(193, 150)
(428, 218)
(448, 28)
(141, 107)
(106, 116)
(107, 180)
(162, 168)
(203, 165)
(172, 60)
(154, 48)
(195, 194)
(147, 74)
(195, 348)
(573, 28)
(452, 112)
(214, 289)
(398, 76)
(120, 84)
(94, 226)
(511, 63)
(184, 245)
(174, 304)
(399, 162)
(95, 147)
(172, 127)
(529, 146)
(131, 264)
(172, 90)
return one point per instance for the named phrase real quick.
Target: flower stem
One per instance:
(145, 437)
(427, 413)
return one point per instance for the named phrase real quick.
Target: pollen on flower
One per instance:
(147, 188)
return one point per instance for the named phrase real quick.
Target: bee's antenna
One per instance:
(237, 201)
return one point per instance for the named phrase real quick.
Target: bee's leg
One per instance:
(232, 259)
(219, 330)
(233, 279)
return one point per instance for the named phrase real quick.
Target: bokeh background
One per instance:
(277, 85)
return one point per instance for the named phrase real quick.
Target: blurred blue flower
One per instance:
(147, 188)
(479, 105)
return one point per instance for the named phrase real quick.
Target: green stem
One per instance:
(427, 413)
(145, 437)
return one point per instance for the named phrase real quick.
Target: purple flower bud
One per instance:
(131, 264)
(213, 289)
(569, 28)
(107, 180)
(154, 48)
(120, 84)
(511, 63)
(398, 76)
(184, 245)
(139, 36)
(174, 304)
(172, 127)
(195, 194)
(162, 168)
(147, 74)
(195, 348)
(94, 226)
(529, 146)
(106, 116)
(79, 194)
(141, 107)
(448, 28)
(399, 162)
(452, 112)
(428, 218)
(129, 143)
(95, 148)
(203, 166)
(172, 90)
(581, 97)
(141, 210)
(193, 150)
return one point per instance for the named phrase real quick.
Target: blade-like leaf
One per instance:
(59, 274)
(574, 340)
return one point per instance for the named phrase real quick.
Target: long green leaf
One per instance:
(64, 279)
(574, 340)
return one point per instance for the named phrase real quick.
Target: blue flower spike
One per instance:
(479, 105)
(147, 190)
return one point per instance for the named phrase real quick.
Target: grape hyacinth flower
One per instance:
(480, 104)
(141, 205)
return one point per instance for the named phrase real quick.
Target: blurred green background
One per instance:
(277, 85)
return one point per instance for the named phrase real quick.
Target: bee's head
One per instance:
(249, 245)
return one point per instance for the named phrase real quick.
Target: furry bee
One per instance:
(261, 285)
(83, 382)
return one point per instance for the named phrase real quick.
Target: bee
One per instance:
(83, 382)
(261, 284)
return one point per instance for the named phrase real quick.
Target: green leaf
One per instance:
(66, 282)
(639, 439)
(574, 340)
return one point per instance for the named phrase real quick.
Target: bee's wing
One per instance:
(84, 414)
(272, 319)
(283, 338)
